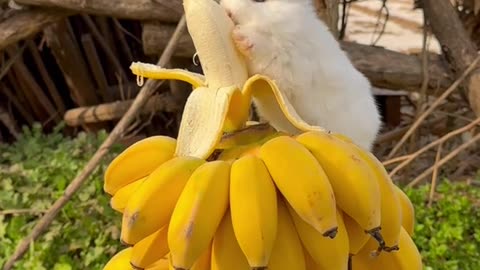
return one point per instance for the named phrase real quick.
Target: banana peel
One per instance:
(220, 102)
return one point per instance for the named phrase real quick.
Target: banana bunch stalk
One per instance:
(297, 198)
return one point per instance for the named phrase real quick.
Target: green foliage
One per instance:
(448, 233)
(34, 172)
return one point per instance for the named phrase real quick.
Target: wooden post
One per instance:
(457, 46)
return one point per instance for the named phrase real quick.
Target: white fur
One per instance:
(293, 47)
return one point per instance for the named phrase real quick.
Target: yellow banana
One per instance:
(161, 264)
(356, 235)
(203, 263)
(357, 192)
(287, 253)
(302, 182)
(198, 212)
(407, 258)
(327, 253)
(310, 264)
(119, 201)
(391, 213)
(138, 161)
(152, 204)
(226, 253)
(253, 206)
(408, 211)
(150, 249)
(120, 261)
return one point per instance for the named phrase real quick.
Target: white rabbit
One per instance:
(285, 40)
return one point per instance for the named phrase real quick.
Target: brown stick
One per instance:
(7, 119)
(115, 110)
(409, 158)
(434, 105)
(434, 176)
(52, 89)
(25, 24)
(146, 91)
(457, 46)
(398, 132)
(21, 211)
(375, 62)
(71, 62)
(96, 66)
(36, 90)
(125, 9)
(444, 160)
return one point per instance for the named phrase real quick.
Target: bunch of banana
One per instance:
(296, 198)
(309, 201)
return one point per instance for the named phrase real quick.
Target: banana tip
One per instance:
(331, 233)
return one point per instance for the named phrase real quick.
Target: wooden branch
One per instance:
(384, 68)
(36, 93)
(147, 90)
(42, 69)
(71, 62)
(7, 120)
(25, 24)
(125, 9)
(418, 121)
(115, 110)
(457, 46)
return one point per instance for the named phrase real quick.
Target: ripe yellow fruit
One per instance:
(327, 253)
(287, 251)
(407, 258)
(138, 161)
(302, 182)
(253, 206)
(152, 204)
(120, 261)
(226, 253)
(119, 201)
(150, 249)
(408, 211)
(356, 235)
(198, 212)
(356, 191)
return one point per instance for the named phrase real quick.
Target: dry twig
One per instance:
(21, 211)
(142, 97)
(434, 175)
(434, 105)
(411, 157)
(444, 160)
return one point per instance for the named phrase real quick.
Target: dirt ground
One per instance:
(403, 31)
